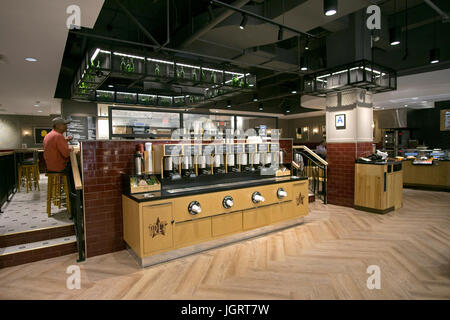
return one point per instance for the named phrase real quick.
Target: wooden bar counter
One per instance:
(164, 226)
(435, 176)
(378, 186)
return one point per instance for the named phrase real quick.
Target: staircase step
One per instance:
(13, 239)
(35, 251)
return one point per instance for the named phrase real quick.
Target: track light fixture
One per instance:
(330, 7)
(303, 65)
(394, 36)
(243, 22)
(255, 97)
(261, 107)
(434, 55)
(280, 34)
(307, 44)
(229, 104)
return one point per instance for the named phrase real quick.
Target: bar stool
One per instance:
(28, 172)
(57, 184)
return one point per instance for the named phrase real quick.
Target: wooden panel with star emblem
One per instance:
(157, 227)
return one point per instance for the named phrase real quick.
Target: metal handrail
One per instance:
(76, 203)
(315, 169)
(312, 153)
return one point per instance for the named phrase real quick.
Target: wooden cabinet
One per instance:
(378, 187)
(300, 198)
(191, 232)
(158, 226)
(436, 176)
(226, 223)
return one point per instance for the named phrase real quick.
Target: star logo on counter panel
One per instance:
(300, 199)
(158, 228)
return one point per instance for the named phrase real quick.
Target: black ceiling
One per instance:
(274, 88)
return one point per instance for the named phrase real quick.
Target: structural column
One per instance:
(349, 127)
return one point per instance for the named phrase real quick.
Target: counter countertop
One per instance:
(174, 191)
(6, 153)
(378, 162)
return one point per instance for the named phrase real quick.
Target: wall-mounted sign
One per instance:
(340, 121)
(40, 133)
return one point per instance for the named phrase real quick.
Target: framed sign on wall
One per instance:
(339, 121)
(40, 133)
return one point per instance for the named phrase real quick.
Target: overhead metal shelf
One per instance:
(360, 74)
(99, 65)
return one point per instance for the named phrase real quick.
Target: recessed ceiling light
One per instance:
(39, 110)
(293, 92)
(406, 105)
(36, 105)
(31, 59)
(110, 86)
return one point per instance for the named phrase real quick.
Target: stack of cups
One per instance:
(148, 148)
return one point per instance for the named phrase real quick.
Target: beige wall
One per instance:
(311, 123)
(13, 128)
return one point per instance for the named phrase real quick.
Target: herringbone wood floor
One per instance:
(325, 258)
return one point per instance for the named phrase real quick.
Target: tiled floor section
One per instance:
(36, 245)
(27, 211)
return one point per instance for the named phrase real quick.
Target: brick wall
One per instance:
(102, 162)
(341, 170)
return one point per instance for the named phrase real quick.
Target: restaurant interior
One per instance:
(232, 149)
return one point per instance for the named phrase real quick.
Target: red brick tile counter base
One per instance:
(102, 163)
(341, 170)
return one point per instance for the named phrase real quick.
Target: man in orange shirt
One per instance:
(56, 149)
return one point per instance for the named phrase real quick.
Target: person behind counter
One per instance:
(56, 148)
(322, 149)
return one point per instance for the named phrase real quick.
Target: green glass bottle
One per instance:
(132, 65)
(157, 72)
(213, 77)
(122, 65)
(128, 66)
(202, 76)
(98, 64)
(194, 75)
(182, 72)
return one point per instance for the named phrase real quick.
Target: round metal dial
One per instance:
(194, 208)
(257, 197)
(281, 193)
(227, 202)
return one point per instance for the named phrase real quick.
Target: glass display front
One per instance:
(136, 122)
(199, 123)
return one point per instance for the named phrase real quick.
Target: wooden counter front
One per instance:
(435, 176)
(159, 226)
(378, 187)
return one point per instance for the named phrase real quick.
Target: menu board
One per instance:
(82, 128)
(191, 150)
(238, 148)
(274, 147)
(251, 148)
(172, 149)
(220, 149)
(262, 147)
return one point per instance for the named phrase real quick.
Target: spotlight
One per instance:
(255, 97)
(394, 36)
(280, 34)
(229, 104)
(260, 107)
(307, 44)
(330, 7)
(434, 55)
(243, 22)
(303, 65)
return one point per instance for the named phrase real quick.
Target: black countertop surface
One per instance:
(181, 188)
(378, 162)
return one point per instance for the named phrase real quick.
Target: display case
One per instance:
(139, 183)
(136, 123)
